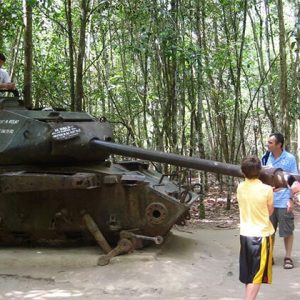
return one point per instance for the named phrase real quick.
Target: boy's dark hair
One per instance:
(278, 137)
(251, 167)
(2, 57)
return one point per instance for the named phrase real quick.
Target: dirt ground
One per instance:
(199, 261)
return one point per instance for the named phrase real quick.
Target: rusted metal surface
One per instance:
(276, 177)
(95, 231)
(52, 215)
(18, 182)
(124, 246)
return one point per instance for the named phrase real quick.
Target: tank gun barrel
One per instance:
(271, 176)
(170, 158)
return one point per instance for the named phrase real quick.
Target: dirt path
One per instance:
(191, 264)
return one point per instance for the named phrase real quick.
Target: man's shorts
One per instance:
(285, 220)
(256, 259)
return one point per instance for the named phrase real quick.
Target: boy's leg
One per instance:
(274, 220)
(251, 290)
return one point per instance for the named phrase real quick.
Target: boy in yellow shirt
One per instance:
(256, 205)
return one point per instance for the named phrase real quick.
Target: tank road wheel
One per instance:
(156, 213)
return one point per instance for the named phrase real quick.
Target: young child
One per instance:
(256, 205)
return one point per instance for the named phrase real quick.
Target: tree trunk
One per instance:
(283, 76)
(81, 53)
(27, 7)
(14, 54)
(68, 9)
(172, 94)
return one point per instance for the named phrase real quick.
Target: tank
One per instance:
(58, 186)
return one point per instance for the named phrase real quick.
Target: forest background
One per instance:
(204, 78)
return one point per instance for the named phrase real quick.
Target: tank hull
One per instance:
(45, 206)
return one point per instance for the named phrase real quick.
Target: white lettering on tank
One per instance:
(11, 122)
(6, 131)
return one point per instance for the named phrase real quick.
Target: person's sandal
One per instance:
(288, 263)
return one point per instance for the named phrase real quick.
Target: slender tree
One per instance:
(79, 91)
(68, 10)
(284, 97)
(27, 7)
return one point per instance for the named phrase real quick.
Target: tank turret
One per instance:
(40, 137)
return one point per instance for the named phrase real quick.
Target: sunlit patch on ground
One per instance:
(43, 294)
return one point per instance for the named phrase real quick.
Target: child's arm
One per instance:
(270, 203)
(270, 209)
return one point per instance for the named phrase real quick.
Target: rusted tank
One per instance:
(58, 186)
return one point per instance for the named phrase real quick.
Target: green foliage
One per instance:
(11, 20)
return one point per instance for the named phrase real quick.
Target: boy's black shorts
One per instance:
(256, 259)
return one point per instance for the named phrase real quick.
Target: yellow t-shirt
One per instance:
(253, 197)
